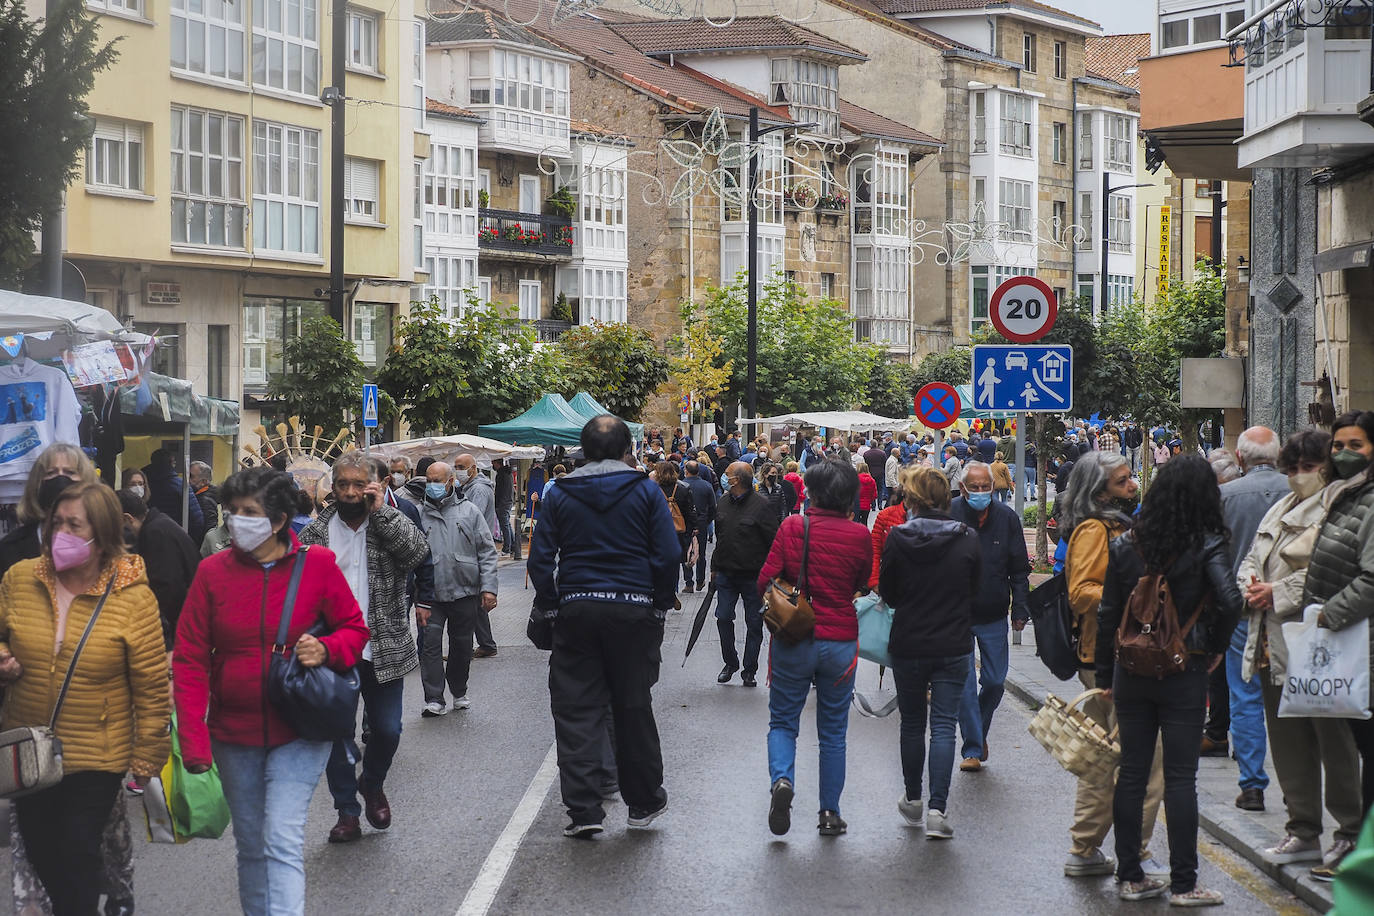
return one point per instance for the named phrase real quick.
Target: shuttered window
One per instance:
(361, 189)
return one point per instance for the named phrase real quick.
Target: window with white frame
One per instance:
(733, 251)
(361, 187)
(450, 279)
(114, 158)
(286, 188)
(268, 323)
(371, 332)
(602, 295)
(417, 217)
(362, 40)
(484, 290)
(531, 293)
(1085, 220)
(1175, 33)
(978, 295)
(207, 38)
(601, 189)
(1119, 289)
(534, 88)
(1015, 138)
(1120, 143)
(889, 192)
(207, 178)
(1119, 223)
(451, 191)
(1085, 140)
(286, 47)
(978, 206)
(1028, 51)
(1087, 289)
(1059, 141)
(1059, 222)
(980, 122)
(772, 181)
(810, 89)
(880, 294)
(130, 7)
(417, 72)
(1061, 60)
(1015, 210)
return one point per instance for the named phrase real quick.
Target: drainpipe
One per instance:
(1073, 182)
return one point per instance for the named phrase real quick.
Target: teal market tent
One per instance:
(969, 413)
(551, 421)
(589, 407)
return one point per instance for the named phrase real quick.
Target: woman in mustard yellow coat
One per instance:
(115, 716)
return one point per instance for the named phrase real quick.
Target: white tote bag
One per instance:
(1328, 670)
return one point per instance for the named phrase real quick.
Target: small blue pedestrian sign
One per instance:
(370, 406)
(1027, 378)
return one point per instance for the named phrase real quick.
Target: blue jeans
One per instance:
(382, 706)
(730, 588)
(945, 678)
(1247, 714)
(829, 664)
(268, 791)
(983, 694)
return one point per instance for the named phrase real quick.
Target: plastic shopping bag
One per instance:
(875, 628)
(196, 800)
(1328, 670)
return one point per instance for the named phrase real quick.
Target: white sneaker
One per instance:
(938, 826)
(1293, 849)
(1153, 868)
(434, 709)
(913, 811)
(462, 702)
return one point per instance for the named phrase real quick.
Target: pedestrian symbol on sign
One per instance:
(370, 406)
(1031, 378)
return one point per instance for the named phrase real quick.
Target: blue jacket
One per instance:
(704, 496)
(605, 534)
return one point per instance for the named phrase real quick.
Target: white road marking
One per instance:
(493, 872)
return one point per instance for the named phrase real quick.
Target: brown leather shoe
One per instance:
(1212, 748)
(483, 653)
(1250, 800)
(346, 830)
(376, 807)
(984, 758)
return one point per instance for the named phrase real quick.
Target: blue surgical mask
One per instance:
(436, 491)
(979, 501)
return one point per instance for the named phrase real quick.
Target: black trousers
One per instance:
(62, 827)
(1363, 730)
(605, 660)
(1218, 705)
(460, 618)
(1145, 707)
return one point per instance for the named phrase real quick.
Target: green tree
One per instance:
(807, 356)
(618, 365)
(323, 377)
(1189, 322)
(953, 367)
(420, 372)
(890, 387)
(47, 67)
(697, 364)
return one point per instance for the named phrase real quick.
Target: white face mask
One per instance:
(398, 479)
(138, 490)
(248, 532)
(1305, 483)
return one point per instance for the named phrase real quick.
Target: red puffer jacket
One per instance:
(838, 565)
(887, 519)
(224, 641)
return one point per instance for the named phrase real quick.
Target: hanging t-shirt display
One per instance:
(37, 408)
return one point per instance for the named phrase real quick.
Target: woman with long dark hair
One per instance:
(1180, 535)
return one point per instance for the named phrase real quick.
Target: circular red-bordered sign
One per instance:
(938, 405)
(1023, 309)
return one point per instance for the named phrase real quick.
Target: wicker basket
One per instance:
(1079, 744)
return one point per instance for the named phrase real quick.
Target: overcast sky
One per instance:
(1116, 16)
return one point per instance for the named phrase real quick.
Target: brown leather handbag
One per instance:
(787, 612)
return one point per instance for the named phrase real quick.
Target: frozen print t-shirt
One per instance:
(37, 408)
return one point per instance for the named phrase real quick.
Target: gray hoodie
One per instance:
(481, 492)
(461, 547)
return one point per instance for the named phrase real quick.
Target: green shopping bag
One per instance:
(196, 800)
(1352, 890)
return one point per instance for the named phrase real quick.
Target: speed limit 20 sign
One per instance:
(1023, 309)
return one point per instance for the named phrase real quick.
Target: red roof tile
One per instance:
(1117, 57)
(445, 110)
(744, 33)
(867, 123)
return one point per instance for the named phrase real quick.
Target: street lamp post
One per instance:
(1107, 192)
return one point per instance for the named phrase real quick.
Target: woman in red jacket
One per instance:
(868, 495)
(890, 518)
(224, 642)
(838, 561)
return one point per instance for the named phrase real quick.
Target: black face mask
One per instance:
(49, 489)
(351, 512)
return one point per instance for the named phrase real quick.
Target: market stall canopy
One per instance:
(969, 413)
(52, 325)
(552, 421)
(833, 419)
(172, 400)
(589, 407)
(447, 448)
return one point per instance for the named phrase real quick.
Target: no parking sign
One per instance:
(937, 405)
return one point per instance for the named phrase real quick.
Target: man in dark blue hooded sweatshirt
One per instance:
(604, 561)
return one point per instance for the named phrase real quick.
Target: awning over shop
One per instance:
(172, 400)
(447, 448)
(1347, 257)
(589, 407)
(53, 325)
(551, 421)
(832, 419)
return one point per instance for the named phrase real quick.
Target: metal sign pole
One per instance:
(1019, 502)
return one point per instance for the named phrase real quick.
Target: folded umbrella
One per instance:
(699, 621)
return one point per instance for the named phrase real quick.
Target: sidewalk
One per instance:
(1247, 833)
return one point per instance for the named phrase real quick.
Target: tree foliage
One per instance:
(323, 377)
(807, 356)
(619, 365)
(47, 67)
(953, 367)
(698, 367)
(890, 387)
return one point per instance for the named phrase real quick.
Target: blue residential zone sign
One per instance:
(370, 406)
(1028, 378)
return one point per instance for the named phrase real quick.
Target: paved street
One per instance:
(458, 784)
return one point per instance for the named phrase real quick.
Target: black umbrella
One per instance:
(699, 621)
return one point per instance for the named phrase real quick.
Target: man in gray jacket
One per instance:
(480, 492)
(1244, 502)
(464, 558)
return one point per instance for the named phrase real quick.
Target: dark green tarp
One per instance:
(589, 407)
(552, 421)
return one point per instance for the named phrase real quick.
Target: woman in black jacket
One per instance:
(666, 476)
(1181, 534)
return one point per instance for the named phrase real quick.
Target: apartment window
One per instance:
(1206, 28)
(535, 87)
(361, 184)
(1060, 219)
(114, 159)
(1061, 60)
(134, 7)
(1175, 33)
(768, 201)
(451, 191)
(1028, 51)
(978, 296)
(1059, 142)
(207, 38)
(531, 292)
(417, 72)
(1234, 18)
(880, 294)
(978, 207)
(1119, 223)
(362, 41)
(484, 290)
(810, 89)
(417, 216)
(1015, 211)
(601, 190)
(889, 192)
(217, 360)
(980, 122)
(602, 296)
(1203, 189)
(1016, 125)
(268, 323)
(286, 49)
(371, 332)
(167, 353)
(450, 280)
(1119, 289)
(827, 286)
(1120, 143)
(286, 188)
(1087, 289)
(207, 178)
(1085, 220)
(1061, 294)
(1085, 141)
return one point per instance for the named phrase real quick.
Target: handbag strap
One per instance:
(289, 605)
(806, 549)
(76, 654)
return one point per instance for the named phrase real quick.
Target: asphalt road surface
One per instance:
(477, 818)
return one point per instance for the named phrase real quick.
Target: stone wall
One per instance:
(1345, 218)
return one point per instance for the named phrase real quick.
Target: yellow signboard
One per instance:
(1165, 233)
